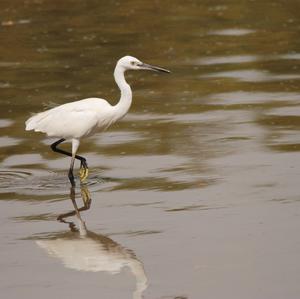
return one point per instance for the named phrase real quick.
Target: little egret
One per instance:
(75, 120)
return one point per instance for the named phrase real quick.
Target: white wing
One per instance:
(71, 120)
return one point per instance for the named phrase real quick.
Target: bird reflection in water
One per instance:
(83, 250)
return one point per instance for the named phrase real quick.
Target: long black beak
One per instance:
(153, 68)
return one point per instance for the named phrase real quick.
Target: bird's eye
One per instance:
(133, 63)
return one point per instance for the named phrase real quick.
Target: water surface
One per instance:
(195, 193)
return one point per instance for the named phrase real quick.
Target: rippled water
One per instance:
(195, 193)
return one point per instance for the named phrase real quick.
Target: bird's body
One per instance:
(86, 116)
(76, 120)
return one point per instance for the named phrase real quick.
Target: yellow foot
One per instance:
(83, 173)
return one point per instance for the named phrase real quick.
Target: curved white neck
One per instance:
(126, 95)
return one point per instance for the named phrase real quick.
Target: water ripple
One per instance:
(252, 76)
(42, 183)
(6, 176)
(232, 32)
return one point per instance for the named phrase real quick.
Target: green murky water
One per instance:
(195, 193)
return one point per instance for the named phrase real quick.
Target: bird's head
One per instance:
(132, 63)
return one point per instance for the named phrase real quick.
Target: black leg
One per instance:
(54, 147)
(83, 163)
(71, 176)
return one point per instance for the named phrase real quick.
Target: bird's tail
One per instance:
(34, 121)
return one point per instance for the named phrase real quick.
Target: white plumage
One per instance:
(75, 120)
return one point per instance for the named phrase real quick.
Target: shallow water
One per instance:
(195, 193)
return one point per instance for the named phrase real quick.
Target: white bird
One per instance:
(75, 120)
